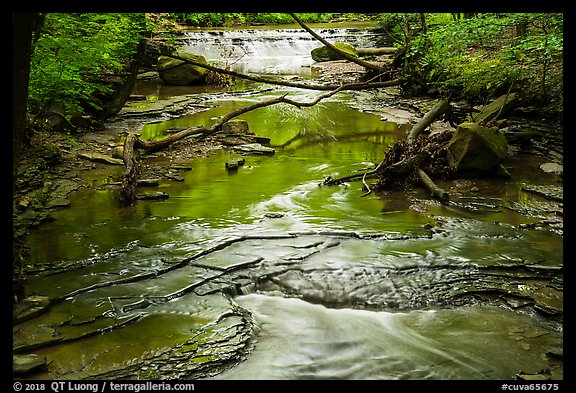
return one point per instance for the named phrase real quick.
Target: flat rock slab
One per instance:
(255, 148)
(29, 308)
(234, 163)
(98, 157)
(22, 364)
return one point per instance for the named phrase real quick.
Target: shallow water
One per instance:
(339, 286)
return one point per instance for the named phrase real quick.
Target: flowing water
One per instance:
(264, 274)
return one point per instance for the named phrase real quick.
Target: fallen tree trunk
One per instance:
(345, 55)
(376, 51)
(437, 110)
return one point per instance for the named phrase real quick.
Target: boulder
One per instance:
(324, 53)
(178, 72)
(475, 150)
(235, 126)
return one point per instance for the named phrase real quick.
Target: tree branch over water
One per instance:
(345, 55)
(128, 188)
(254, 78)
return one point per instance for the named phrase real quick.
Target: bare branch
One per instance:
(345, 55)
(351, 86)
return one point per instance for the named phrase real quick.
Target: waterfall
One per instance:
(276, 51)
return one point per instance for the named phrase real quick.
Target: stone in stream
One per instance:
(475, 150)
(233, 164)
(178, 72)
(324, 53)
(152, 196)
(235, 126)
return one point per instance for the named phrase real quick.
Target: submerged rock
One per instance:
(29, 308)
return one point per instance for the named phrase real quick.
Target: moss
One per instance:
(324, 53)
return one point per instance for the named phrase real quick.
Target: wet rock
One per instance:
(118, 152)
(174, 176)
(178, 72)
(29, 308)
(543, 375)
(555, 193)
(57, 202)
(556, 353)
(236, 126)
(22, 364)
(148, 182)
(255, 149)
(152, 196)
(324, 53)
(233, 164)
(552, 167)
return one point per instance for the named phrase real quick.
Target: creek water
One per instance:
(336, 286)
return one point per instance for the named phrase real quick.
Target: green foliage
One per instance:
(209, 19)
(488, 54)
(76, 56)
(229, 19)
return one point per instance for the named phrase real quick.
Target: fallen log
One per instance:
(435, 191)
(437, 110)
(376, 51)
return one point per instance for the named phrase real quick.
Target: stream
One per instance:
(265, 274)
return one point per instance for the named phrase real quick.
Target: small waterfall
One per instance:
(278, 51)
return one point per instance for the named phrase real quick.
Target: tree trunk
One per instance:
(23, 25)
(130, 179)
(438, 110)
(123, 93)
(376, 51)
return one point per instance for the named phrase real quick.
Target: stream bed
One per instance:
(264, 274)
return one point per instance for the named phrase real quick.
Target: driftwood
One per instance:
(435, 191)
(406, 166)
(437, 110)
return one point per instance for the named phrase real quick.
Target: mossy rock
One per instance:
(475, 150)
(178, 72)
(324, 53)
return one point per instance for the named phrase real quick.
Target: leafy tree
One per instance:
(488, 54)
(79, 58)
